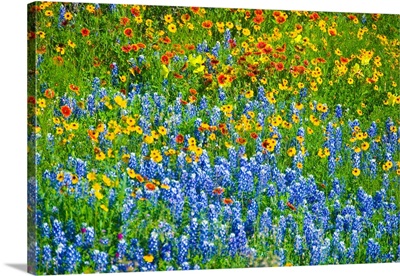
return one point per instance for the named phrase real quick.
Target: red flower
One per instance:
(254, 135)
(195, 9)
(279, 66)
(31, 100)
(128, 32)
(221, 79)
(85, 32)
(207, 24)
(165, 59)
(126, 48)
(135, 12)
(261, 45)
(258, 19)
(179, 138)
(124, 20)
(241, 141)
(66, 111)
(280, 19)
(314, 16)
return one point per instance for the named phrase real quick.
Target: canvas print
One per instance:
(182, 138)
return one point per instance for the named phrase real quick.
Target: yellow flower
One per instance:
(148, 139)
(138, 130)
(96, 187)
(162, 130)
(148, 258)
(291, 151)
(168, 18)
(120, 101)
(42, 103)
(246, 32)
(131, 173)
(98, 195)
(172, 28)
(91, 176)
(102, 206)
(60, 177)
(100, 156)
(356, 172)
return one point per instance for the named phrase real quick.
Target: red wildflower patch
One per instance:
(66, 111)
(141, 45)
(85, 32)
(276, 13)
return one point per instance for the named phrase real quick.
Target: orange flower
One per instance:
(241, 141)
(227, 201)
(49, 93)
(150, 186)
(207, 24)
(280, 19)
(258, 19)
(124, 21)
(218, 191)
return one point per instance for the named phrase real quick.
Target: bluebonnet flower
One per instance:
(101, 260)
(72, 258)
(183, 248)
(373, 251)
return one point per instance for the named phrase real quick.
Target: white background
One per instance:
(13, 131)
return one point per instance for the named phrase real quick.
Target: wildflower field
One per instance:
(177, 138)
